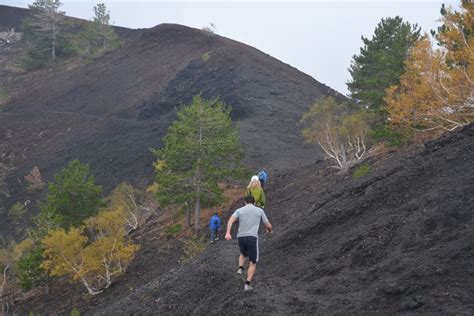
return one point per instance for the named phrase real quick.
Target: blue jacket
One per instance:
(215, 222)
(263, 176)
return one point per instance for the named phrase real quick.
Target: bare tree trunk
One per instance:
(188, 215)
(89, 288)
(53, 50)
(5, 306)
(197, 210)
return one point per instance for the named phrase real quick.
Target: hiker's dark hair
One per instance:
(249, 199)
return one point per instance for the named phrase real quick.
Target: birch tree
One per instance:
(124, 197)
(341, 135)
(95, 259)
(201, 149)
(437, 89)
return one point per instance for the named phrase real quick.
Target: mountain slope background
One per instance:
(395, 241)
(109, 112)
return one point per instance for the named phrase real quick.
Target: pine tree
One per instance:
(72, 197)
(44, 28)
(201, 149)
(104, 30)
(380, 62)
(97, 35)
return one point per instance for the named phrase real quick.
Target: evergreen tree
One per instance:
(381, 61)
(201, 149)
(97, 35)
(44, 30)
(72, 197)
(104, 30)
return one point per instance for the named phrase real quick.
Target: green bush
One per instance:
(390, 137)
(173, 229)
(4, 96)
(361, 171)
(28, 269)
(205, 57)
(18, 215)
(73, 196)
(75, 312)
(32, 60)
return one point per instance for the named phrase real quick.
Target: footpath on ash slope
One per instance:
(400, 239)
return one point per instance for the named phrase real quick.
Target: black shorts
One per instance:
(249, 247)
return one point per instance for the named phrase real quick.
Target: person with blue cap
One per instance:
(214, 226)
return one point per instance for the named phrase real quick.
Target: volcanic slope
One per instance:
(399, 239)
(109, 112)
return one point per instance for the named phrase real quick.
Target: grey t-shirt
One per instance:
(249, 220)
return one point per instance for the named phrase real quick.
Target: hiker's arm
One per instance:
(267, 223)
(231, 221)
(269, 227)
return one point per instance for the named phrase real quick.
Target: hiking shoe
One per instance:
(240, 271)
(247, 287)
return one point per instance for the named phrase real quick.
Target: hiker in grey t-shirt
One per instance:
(249, 218)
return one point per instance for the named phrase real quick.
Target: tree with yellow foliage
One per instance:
(124, 197)
(92, 260)
(437, 88)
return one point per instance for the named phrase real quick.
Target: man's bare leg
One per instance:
(241, 260)
(251, 271)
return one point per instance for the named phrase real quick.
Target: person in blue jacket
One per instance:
(263, 177)
(214, 226)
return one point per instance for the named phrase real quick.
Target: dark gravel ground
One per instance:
(399, 240)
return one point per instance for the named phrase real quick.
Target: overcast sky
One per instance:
(317, 37)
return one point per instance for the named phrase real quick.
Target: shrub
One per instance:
(361, 171)
(34, 180)
(29, 271)
(173, 229)
(75, 312)
(4, 96)
(205, 57)
(17, 214)
(211, 29)
(391, 138)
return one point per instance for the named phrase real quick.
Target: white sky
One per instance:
(317, 37)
